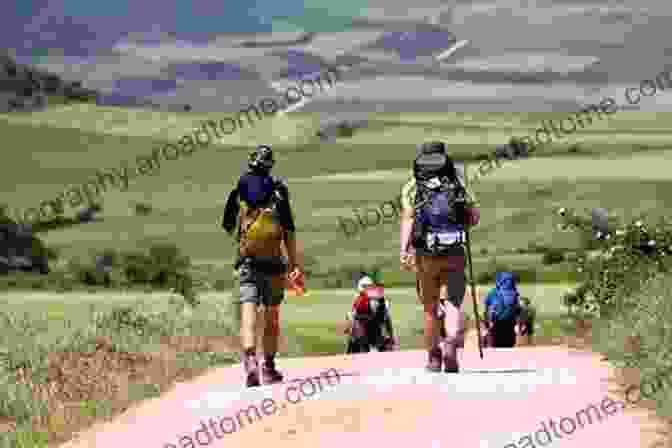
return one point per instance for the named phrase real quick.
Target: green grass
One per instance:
(313, 320)
(518, 200)
(38, 324)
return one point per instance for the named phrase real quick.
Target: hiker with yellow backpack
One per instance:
(259, 208)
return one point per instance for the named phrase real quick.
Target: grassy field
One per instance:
(619, 164)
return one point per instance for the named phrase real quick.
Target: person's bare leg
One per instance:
(272, 331)
(454, 283)
(452, 326)
(432, 330)
(461, 327)
(429, 289)
(248, 325)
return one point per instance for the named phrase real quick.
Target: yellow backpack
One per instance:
(259, 228)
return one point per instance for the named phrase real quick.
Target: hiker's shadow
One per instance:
(467, 371)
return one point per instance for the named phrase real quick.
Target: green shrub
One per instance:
(345, 131)
(646, 316)
(159, 266)
(575, 149)
(142, 209)
(553, 256)
(624, 262)
(626, 291)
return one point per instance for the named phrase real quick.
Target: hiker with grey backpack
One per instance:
(437, 209)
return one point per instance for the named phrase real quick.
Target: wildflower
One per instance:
(639, 224)
(562, 211)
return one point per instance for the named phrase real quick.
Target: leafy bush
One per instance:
(159, 266)
(625, 260)
(553, 256)
(345, 130)
(641, 337)
(142, 209)
(536, 248)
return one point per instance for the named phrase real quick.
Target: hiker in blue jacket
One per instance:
(502, 308)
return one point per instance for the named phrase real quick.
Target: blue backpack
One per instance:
(506, 298)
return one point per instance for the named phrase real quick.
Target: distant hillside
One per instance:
(24, 88)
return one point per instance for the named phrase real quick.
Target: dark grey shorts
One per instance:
(260, 284)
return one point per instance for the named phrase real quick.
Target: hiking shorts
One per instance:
(503, 334)
(437, 274)
(263, 282)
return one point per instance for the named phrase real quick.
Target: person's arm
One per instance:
(388, 320)
(407, 217)
(287, 220)
(389, 327)
(290, 250)
(472, 210)
(488, 302)
(231, 209)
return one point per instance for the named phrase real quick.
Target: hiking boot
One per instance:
(251, 366)
(450, 365)
(269, 373)
(434, 361)
(449, 356)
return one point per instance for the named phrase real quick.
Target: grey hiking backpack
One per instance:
(440, 200)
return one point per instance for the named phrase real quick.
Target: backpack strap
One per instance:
(284, 208)
(231, 211)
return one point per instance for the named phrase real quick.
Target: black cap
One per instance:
(434, 147)
(432, 154)
(261, 158)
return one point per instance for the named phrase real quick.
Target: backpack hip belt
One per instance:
(436, 241)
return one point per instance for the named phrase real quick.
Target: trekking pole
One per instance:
(471, 274)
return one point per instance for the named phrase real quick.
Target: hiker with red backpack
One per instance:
(259, 208)
(370, 314)
(437, 209)
(502, 311)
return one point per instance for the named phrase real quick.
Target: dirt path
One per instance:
(388, 398)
